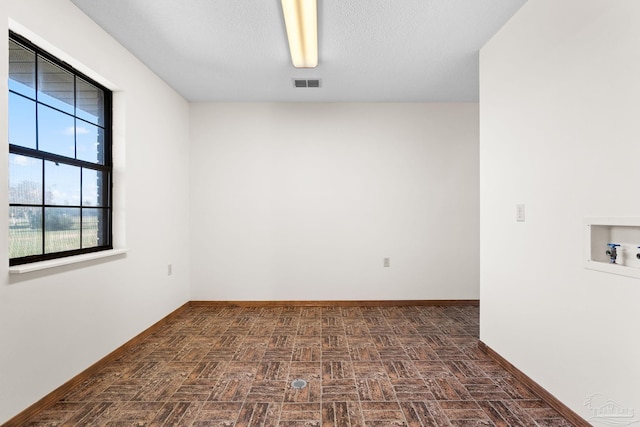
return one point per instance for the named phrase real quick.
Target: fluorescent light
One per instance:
(301, 20)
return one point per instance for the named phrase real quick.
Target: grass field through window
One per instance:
(26, 240)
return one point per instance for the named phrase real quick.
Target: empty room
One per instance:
(320, 213)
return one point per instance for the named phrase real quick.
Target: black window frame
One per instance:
(107, 166)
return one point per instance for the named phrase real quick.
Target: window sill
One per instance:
(43, 265)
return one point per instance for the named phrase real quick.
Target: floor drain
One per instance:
(298, 383)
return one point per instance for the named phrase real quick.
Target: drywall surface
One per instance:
(299, 201)
(56, 323)
(559, 133)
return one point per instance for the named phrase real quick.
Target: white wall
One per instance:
(56, 323)
(303, 201)
(559, 115)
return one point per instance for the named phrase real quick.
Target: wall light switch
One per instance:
(169, 270)
(520, 213)
(386, 262)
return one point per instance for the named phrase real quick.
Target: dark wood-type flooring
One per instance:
(365, 366)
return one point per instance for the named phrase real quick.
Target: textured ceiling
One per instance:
(369, 50)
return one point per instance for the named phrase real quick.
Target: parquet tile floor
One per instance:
(364, 366)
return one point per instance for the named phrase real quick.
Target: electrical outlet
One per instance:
(169, 270)
(386, 262)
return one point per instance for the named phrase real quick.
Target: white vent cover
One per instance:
(306, 82)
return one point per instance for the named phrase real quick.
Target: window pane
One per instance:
(25, 180)
(22, 121)
(55, 132)
(89, 102)
(61, 229)
(59, 131)
(93, 227)
(55, 86)
(25, 231)
(89, 142)
(22, 70)
(93, 183)
(61, 184)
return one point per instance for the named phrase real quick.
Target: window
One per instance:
(59, 158)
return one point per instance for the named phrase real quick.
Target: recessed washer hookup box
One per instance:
(612, 245)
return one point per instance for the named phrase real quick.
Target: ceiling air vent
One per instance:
(306, 83)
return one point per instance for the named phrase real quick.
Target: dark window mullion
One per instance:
(75, 117)
(35, 95)
(87, 122)
(42, 209)
(30, 152)
(81, 207)
(22, 95)
(63, 206)
(75, 145)
(27, 205)
(107, 152)
(53, 108)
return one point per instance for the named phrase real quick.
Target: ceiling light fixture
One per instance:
(301, 20)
